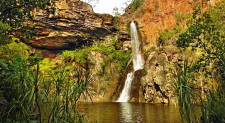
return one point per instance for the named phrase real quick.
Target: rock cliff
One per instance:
(157, 77)
(72, 24)
(157, 15)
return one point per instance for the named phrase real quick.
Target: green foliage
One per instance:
(79, 55)
(27, 84)
(46, 66)
(14, 14)
(185, 93)
(128, 27)
(28, 89)
(117, 56)
(206, 37)
(101, 72)
(63, 93)
(114, 55)
(16, 86)
(136, 4)
(202, 33)
(4, 28)
(166, 35)
(69, 54)
(180, 16)
(116, 20)
(213, 108)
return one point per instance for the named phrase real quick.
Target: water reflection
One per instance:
(130, 113)
(126, 112)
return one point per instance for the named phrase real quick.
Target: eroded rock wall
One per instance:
(71, 25)
(157, 15)
(156, 84)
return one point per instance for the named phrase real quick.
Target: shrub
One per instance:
(79, 55)
(115, 55)
(166, 35)
(180, 16)
(128, 27)
(136, 4)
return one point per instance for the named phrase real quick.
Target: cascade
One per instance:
(138, 63)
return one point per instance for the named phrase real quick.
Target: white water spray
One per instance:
(138, 63)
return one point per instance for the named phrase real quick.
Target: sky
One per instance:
(106, 6)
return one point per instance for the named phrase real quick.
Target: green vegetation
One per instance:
(29, 85)
(117, 56)
(181, 16)
(185, 93)
(136, 4)
(166, 35)
(205, 37)
(26, 88)
(116, 20)
(128, 27)
(113, 55)
(15, 14)
(101, 72)
(33, 89)
(79, 55)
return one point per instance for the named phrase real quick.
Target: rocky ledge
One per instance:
(71, 25)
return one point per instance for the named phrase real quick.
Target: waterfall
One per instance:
(138, 63)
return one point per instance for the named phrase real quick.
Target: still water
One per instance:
(130, 113)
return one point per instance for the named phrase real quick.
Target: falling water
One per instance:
(138, 63)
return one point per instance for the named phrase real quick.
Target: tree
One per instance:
(205, 35)
(14, 14)
(116, 12)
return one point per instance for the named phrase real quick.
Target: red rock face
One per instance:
(157, 15)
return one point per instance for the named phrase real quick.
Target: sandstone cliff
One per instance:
(157, 15)
(71, 25)
(157, 78)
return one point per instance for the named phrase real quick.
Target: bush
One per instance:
(136, 4)
(79, 55)
(180, 16)
(166, 35)
(117, 56)
(114, 55)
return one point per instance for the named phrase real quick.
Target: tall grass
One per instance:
(212, 106)
(33, 96)
(185, 93)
